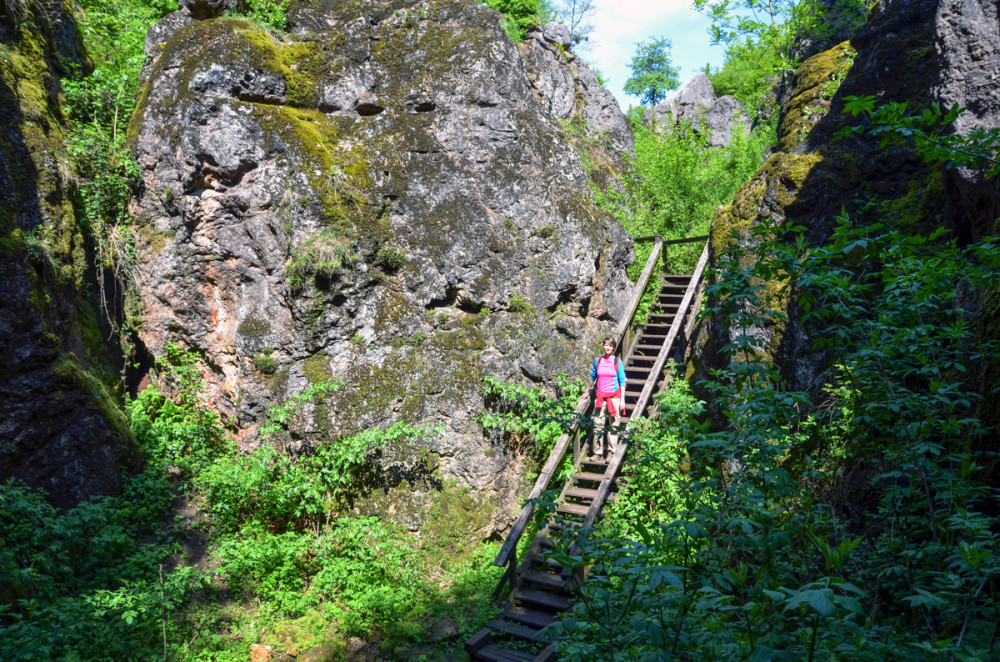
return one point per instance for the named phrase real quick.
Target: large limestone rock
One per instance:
(696, 104)
(917, 51)
(568, 90)
(378, 198)
(967, 41)
(59, 428)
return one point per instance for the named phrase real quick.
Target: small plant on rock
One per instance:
(518, 304)
(264, 362)
(390, 257)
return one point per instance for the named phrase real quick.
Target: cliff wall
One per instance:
(60, 423)
(376, 197)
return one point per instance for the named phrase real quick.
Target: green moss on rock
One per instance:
(316, 368)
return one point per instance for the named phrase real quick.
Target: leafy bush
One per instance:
(753, 554)
(749, 75)
(99, 106)
(390, 257)
(530, 418)
(519, 304)
(265, 363)
(520, 16)
(271, 14)
(170, 420)
(83, 584)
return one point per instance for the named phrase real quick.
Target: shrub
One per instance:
(271, 14)
(518, 304)
(265, 364)
(319, 261)
(390, 257)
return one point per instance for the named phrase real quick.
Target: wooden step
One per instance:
(581, 493)
(518, 631)
(548, 579)
(550, 601)
(596, 465)
(536, 561)
(494, 653)
(478, 640)
(530, 617)
(573, 509)
(649, 348)
(590, 477)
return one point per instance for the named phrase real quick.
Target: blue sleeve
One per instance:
(593, 371)
(621, 372)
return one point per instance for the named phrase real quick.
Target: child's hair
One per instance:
(607, 340)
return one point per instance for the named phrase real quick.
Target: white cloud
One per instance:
(620, 24)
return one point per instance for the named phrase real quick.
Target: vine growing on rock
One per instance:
(99, 106)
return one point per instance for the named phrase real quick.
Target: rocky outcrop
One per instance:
(967, 41)
(377, 199)
(568, 90)
(59, 427)
(695, 104)
(914, 51)
(203, 9)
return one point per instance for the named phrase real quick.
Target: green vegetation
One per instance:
(520, 16)
(748, 75)
(676, 184)
(858, 525)
(271, 14)
(99, 106)
(652, 74)
(264, 362)
(390, 257)
(320, 260)
(519, 304)
(290, 565)
(930, 131)
(528, 418)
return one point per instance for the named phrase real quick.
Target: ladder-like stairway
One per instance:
(543, 588)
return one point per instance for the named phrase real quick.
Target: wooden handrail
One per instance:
(637, 410)
(671, 242)
(675, 329)
(509, 546)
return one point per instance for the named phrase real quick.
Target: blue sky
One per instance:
(620, 24)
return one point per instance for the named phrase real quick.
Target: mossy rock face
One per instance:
(815, 178)
(294, 164)
(62, 427)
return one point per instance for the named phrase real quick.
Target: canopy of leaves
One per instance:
(652, 74)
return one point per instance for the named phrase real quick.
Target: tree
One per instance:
(774, 24)
(652, 74)
(520, 16)
(574, 14)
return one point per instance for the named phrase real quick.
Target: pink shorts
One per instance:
(601, 397)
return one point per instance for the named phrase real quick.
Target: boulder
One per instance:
(205, 9)
(695, 104)
(814, 177)
(61, 428)
(377, 199)
(967, 42)
(568, 90)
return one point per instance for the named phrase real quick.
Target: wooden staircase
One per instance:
(541, 588)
